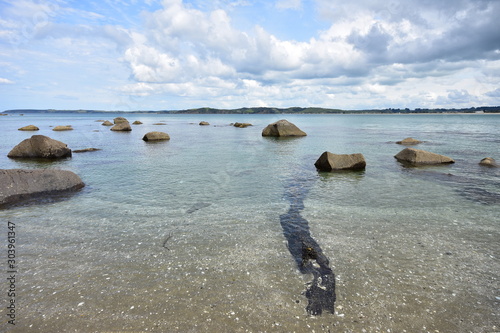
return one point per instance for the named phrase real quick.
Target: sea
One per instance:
(202, 233)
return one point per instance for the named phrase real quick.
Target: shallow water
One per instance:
(185, 235)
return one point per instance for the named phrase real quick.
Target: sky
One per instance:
(180, 54)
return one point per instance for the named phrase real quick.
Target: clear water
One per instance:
(413, 249)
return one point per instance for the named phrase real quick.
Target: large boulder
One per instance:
(18, 184)
(282, 128)
(40, 146)
(122, 127)
(29, 128)
(421, 157)
(331, 162)
(156, 136)
(107, 123)
(119, 120)
(490, 162)
(409, 142)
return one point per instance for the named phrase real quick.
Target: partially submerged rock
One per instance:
(137, 122)
(489, 162)
(421, 157)
(119, 120)
(156, 136)
(159, 124)
(63, 128)
(242, 125)
(29, 128)
(18, 184)
(282, 128)
(331, 162)
(204, 123)
(107, 123)
(85, 150)
(409, 142)
(40, 146)
(122, 127)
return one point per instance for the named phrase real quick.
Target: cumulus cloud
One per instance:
(367, 52)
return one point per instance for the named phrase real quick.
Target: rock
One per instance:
(137, 122)
(490, 162)
(331, 162)
(85, 150)
(159, 124)
(204, 123)
(40, 146)
(242, 125)
(421, 157)
(18, 184)
(122, 127)
(107, 123)
(156, 136)
(282, 128)
(119, 120)
(29, 128)
(63, 128)
(409, 142)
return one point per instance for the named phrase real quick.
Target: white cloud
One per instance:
(5, 81)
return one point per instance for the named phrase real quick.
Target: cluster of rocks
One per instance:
(20, 184)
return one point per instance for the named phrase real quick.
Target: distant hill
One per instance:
(271, 110)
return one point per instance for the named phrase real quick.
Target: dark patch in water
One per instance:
(307, 253)
(197, 206)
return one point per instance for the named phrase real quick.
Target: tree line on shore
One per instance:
(272, 110)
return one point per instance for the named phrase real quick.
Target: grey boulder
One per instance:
(19, 184)
(122, 127)
(421, 157)
(156, 136)
(331, 162)
(282, 128)
(490, 162)
(40, 146)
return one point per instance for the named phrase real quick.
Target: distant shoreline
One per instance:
(271, 110)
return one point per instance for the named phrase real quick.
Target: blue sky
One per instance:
(174, 54)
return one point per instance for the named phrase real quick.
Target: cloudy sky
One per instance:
(178, 54)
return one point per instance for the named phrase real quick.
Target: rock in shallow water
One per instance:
(29, 128)
(156, 136)
(331, 162)
(18, 184)
(490, 162)
(282, 128)
(40, 146)
(409, 141)
(421, 157)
